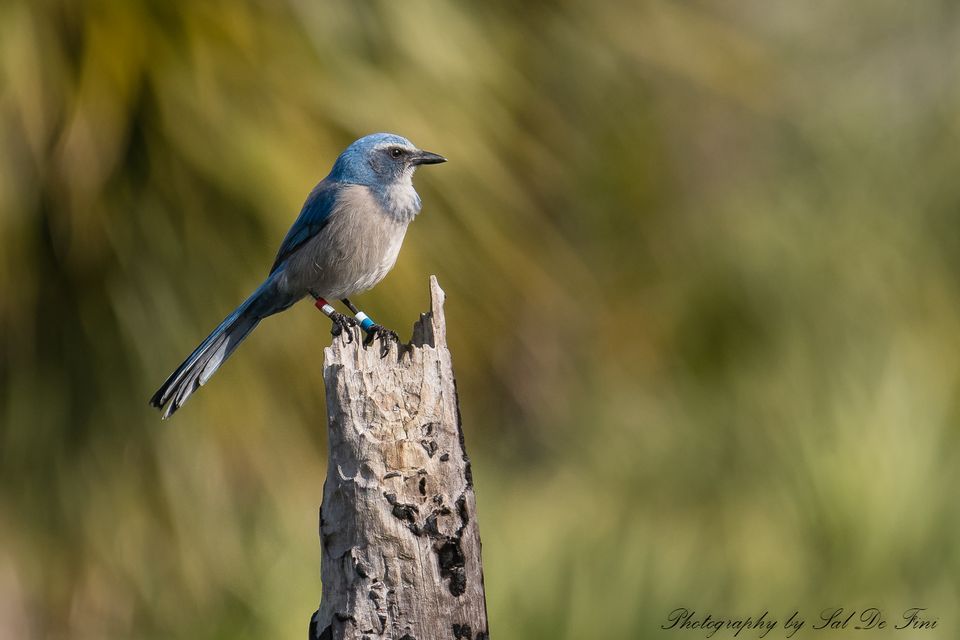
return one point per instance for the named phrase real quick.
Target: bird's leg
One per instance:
(373, 329)
(341, 323)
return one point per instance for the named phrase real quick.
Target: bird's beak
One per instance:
(426, 157)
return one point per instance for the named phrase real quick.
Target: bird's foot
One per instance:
(342, 324)
(386, 336)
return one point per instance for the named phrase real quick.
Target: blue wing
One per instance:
(313, 217)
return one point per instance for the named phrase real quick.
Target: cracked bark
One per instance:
(400, 545)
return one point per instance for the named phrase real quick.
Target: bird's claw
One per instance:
(386, 336)
(342, 324)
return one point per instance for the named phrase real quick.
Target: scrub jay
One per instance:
(344, 241)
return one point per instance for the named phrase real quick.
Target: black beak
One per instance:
(426, 157)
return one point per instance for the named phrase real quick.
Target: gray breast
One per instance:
(352, 253)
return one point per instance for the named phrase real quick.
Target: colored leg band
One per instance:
(324, 306)
(365, 321)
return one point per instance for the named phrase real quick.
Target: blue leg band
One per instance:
(365, 321)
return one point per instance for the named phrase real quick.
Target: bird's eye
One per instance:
(396, 152)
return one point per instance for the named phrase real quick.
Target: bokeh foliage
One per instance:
(704, 302)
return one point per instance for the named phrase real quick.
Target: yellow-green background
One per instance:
(703, 266)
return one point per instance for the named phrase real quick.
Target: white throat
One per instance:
(401, 199)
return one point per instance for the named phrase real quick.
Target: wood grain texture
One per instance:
(399, 537)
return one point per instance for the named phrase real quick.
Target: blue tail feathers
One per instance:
(217, 347)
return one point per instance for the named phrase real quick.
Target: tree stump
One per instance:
(400, 545)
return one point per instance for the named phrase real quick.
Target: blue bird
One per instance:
(345, 240)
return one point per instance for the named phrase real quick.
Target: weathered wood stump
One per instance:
(398, 526)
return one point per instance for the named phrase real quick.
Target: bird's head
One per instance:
(381, 159)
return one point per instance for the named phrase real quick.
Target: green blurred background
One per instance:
(703, 268)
